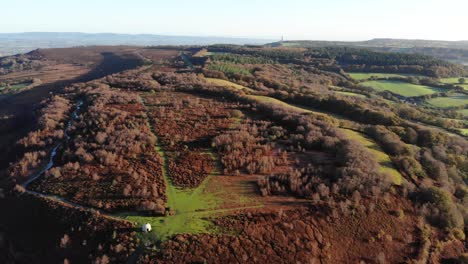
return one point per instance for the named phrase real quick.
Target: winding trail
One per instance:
(193, 207)
(50, 164)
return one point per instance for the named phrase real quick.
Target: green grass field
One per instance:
(464, 131)
(401, 88)
(452, 101)
(386, 165)
(222, 82)
(359, 76)
(352, 94)
(15, 87)
(454, 80)
(192, 209)
(463, 112)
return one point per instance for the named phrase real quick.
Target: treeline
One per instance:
(354, 172)
(246, 150)
(275, 77)
(267, 53)
(18, 63)
(353, 108)
(353, 59)
(438, 166)
(132, 80)
(241, 59)
(228, 69)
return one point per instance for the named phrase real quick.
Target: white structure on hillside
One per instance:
(146, 228)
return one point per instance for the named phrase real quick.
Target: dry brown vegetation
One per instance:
(324, 198)
(36, 144)
(305, 235)
(111, 149)
(185, 125)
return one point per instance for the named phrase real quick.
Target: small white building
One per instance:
(146, 228)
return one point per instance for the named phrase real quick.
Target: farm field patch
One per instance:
(463, 112)
(401, 88)
(451, 101)
(359, 76)
(456, 81)
(15, 87)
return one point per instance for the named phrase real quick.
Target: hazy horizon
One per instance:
(217, 36)
(295, 20)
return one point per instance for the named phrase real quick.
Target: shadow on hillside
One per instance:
(21, 107)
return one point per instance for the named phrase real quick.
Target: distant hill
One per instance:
(454, 51)
(380, 42)
(14, 43)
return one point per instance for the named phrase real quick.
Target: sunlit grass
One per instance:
(451, 101)
(359, 76)
(226, 83)
(464, 131)
(456, 81)
(15, 87)
(386, 165)
(463, 112)
(401, 88)
(351, 94)
(192, 210)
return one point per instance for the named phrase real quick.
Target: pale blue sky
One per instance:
(295, 19)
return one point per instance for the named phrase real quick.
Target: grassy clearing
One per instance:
(16, 87)
(386, 165)
(455, 80)
(352, 94)
(226, 83)
(464, 131)
(359, 76)
(193, 209)
(463, 112)
(401, 88)
(451, 101)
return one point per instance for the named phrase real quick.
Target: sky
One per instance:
(294, 19)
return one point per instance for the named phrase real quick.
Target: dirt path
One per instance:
(50, 164)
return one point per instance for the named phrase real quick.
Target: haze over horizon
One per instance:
(267, 39)
(295, 19)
